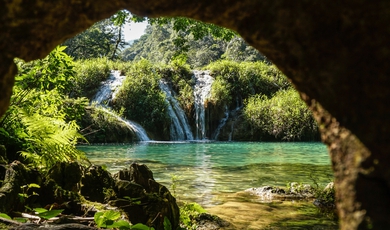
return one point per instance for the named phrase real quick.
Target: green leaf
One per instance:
(99, 218)
(112, 215)
(121, 224)
(167, 224)
(50, 214)
(21, 219)
(32, 185)
(140, 226)
(40, 210)
(24, 195)
(3, 215)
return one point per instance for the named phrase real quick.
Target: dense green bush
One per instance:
(38, 124)
(89, 74)
(141, 98)
(284, 116)
(240, 80)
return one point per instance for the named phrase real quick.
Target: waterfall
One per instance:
(233, 114)
(108, 88)
(228, 115)
(107, 92)
(136, 128)
(180, 128)
(222, 123)
(203, 82)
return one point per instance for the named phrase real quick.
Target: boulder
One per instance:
(16, 181)
(206, 221)
(97, 184)
(143, 199)
(66, 175)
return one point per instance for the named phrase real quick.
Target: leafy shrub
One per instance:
(141, 98)
(240, 80)
(89, 74)
(284, 116)
(37, 124)
(110, 219)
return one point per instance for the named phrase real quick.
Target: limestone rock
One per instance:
(145, 200)
(97, 184)
(271, 193)
(16, 180)
(206, 221)
(66, 175)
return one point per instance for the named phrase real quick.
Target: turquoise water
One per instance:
(205, 171)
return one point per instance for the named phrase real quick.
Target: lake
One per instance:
(211, 173)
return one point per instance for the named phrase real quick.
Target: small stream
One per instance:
(213, 173)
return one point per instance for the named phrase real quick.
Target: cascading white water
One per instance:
(203, 82)
(108, 88)
(180, 128)
(107, 92)
(138, 130)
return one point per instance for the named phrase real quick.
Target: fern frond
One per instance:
(50, 140)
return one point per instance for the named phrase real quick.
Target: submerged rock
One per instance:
(206, 221)
(270, 193)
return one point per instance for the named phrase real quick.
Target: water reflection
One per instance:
(208, 169)
(213, 173)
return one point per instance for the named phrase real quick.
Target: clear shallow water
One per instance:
(207, 171)
(213, 173)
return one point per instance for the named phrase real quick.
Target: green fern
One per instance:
(50, 140)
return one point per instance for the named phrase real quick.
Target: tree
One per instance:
(162, 42)
(103, 39)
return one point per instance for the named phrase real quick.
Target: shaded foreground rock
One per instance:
(68, 185)
(138, 186)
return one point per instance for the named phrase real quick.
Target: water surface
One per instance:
(211, 173)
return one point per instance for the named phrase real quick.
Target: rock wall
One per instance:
(335, 53)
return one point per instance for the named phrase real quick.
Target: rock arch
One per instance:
(335, 53)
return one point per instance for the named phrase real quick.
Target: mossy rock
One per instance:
(143, 199)
(97, 185)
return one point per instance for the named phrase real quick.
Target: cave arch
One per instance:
(335, 53)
